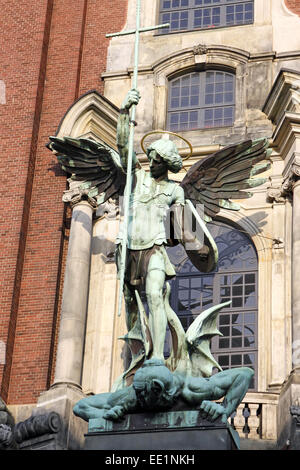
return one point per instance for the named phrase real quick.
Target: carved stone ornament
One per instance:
(292, 177)
(37, 426)
(75, 194)
(275, 194)
(109, 209)
(5, 416)
(295, 99)
(7, 441)
(200, 49)
(295, 412)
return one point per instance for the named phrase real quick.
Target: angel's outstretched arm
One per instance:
(132, 97)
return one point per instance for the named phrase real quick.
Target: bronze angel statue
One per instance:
(98, 172)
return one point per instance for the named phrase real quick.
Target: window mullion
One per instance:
(223, 15)
(202, 78)
(190, 19)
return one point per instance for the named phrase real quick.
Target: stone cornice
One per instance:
(286, 132)
(284, 95)
(187, 53)
(235, 54)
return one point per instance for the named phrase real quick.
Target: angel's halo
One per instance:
(166, 136)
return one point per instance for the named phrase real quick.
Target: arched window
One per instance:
(187, 15)
(201, 100)
(234, 279)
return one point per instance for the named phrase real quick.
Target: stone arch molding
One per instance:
(194, 58)
(91, 116)
(248, 225)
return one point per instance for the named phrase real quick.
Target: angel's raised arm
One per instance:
(132, 97)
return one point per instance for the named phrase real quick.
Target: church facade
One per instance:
(222, 72)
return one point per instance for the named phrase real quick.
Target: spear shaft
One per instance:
(129, 160)
(128, 188)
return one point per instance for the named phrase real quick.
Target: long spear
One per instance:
(130, 143)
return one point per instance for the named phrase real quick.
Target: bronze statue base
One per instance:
(169, 430)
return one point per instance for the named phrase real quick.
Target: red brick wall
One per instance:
(51, 53)
(293, 5)
(24, 29)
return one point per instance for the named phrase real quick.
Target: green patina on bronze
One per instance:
(152, 383)
(155, 389)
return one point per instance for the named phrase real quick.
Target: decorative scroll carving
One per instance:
(5, 416)
(109, 209)
(7, 441)
(275, 193)
(37, 426)
(295, 412)
(75, 194)
(282, 188)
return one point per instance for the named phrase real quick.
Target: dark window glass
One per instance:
(201, 100)
(234, 279)
(203, 14)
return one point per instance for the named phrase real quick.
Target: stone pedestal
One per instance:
(173, 430)
(289, 397)
(61, 399)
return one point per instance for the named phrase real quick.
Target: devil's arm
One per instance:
(231, 384)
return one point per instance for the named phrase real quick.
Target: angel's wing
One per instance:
(96, 168)
(226, 175)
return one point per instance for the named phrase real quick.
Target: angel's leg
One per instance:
(131, 314)
(155, 280)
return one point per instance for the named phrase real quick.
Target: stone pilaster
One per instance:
(70, 348)
(66, 389)
(102, 348)
(292, 185)
(282, 108)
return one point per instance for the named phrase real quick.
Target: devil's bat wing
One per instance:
(198, 337)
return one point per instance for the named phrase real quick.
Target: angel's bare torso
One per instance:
(149, 204)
